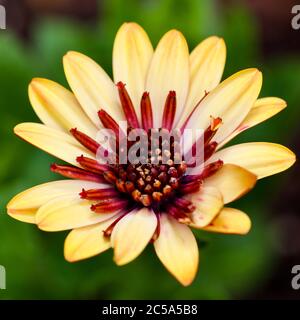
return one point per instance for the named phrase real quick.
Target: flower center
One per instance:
(153, 181)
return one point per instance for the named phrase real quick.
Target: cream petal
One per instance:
(24, 206)
(58, 108)
(54, 142)
(231, 100)
(208, 202)
(132, 54)
(132, 234)
(169, 70)
(177, 249)
(207, 63)
(261, 158)
(231, 221)
(92, 87)
(262, 110)
(68, 212)
(86, 242)
(232, 181)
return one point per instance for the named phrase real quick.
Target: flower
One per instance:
(128, 206)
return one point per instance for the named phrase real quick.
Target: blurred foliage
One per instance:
(231, 266)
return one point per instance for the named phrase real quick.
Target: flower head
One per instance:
(159, 195)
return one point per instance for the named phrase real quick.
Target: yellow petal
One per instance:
(231, 100)
(230, 221)
(92, 86)
(261, 158)
(132, 234)
(68, 212)
(58, 108)
(262, 110)
(86, 242)
(169, 70)
(232, 181)
(54, 142)
(208, 202)
(24, 206)
(177, 249)
(132, 54)
(207, 63)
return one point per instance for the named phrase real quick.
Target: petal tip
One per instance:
(187, 282)
(21, 128)
(26, 216)
(293, 158)
(37, 87)
(248, 225)
(254, 73)
(36, 80)
(25, 126)
(69, 258)
(120, 261)
(251, 72)
(10, 211)
(218, 41)
(281, 103)
(9, 205)
(41, 223)
(187, 279)
(290, 155)
(130, 25)
(174, 35)
(18, 128)
(69, 254)
(71, 55)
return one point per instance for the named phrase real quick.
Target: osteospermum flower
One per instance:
(128, 206)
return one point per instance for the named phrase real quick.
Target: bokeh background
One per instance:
(258, 34)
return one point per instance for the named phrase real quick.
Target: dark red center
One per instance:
(154, 180)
